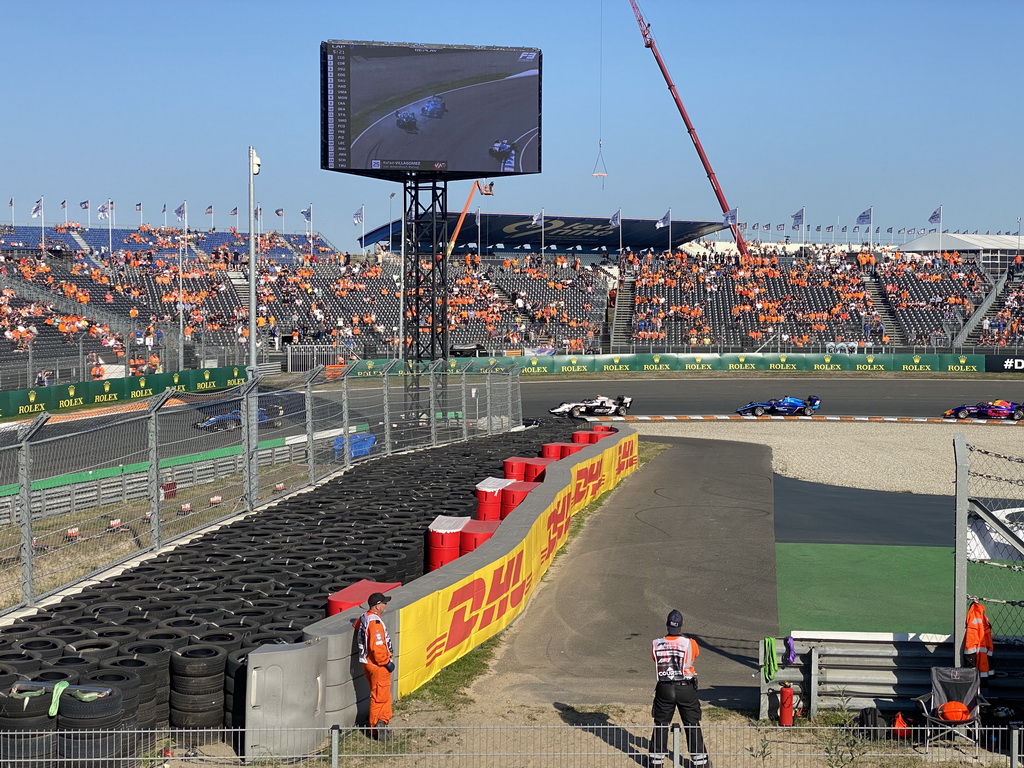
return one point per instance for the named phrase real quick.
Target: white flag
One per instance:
(103, 212)
(37, 209)
(616, 218)
(357, 217)
(180, 211)
(307, 213)
(538, 218)
(865, 217)
(936, 216)
(664, 220)
(729, 218)
(478, 217)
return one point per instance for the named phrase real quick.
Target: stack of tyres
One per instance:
(197, 692)
(158, 657)
(235, 686)
(27, 732)
(91, 728)
(148, 673)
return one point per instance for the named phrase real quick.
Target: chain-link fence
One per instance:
(80, 493)
(990, 540)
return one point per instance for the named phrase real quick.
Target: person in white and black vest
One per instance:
(674, 655)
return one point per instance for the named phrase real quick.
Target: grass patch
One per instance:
(447, 688)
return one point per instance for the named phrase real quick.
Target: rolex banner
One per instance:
(26, 403)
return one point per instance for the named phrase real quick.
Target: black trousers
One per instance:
(668, 697)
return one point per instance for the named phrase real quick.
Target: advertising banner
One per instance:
(448, 623)
(1004, 363)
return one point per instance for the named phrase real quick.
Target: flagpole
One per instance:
(871, 228)
(89, 214)
(479, 248)
(140, 216)
(165, 215)
(110, 227)
(670, 231)
(42, 223)
(542, 245)
(65, 213)
(362, 221)
(940, 231)
(12, 212)
(311, 233)
(620, 238)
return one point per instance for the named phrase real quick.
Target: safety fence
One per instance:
(586, 740)
(990, 538)
(78, 496)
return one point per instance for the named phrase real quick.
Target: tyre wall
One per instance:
(439, 617)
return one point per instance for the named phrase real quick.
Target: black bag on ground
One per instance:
(871, 726)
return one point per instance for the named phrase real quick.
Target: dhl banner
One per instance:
(445, 625)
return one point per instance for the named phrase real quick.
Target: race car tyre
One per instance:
(576, 412)
(276, 423)
(229, 425)
(962, 414)
(620, 411)
(1017, 415)
(808, 411)
(758, 411)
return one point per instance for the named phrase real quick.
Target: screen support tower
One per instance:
(425, 269)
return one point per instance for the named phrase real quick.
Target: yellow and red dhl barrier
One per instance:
(448, 623)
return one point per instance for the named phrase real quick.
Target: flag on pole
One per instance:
(84, 205)
(664, 220)
(843, 229)
(817, 228)
(856, 229)
(901, 231)
(729, 218)
(10, 204)
(798, 219)
(888, 231)
(209, 210)
(63, 205)
(103, 212)
(165, 208)
(766, 227)
(138, 207)
(279, 212)
(37, 209)
(780, 227)
(538, 218)
(478, 219)
(936, 216)
(756, 226)
(864, 218)
(234, 211)
(357, 217)
(616, 219)
(180, 211)
(307, 213)
(829, 228)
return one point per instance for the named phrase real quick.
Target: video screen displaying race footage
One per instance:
(462, 112)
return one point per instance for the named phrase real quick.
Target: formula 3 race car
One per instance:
(598, 406)
(406, 120)
(269, 415)
(435, 108)
(504, 151)
(997, 409)
(785, 406)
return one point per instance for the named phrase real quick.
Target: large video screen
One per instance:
(460, 112)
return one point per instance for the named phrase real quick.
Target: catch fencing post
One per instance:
(512, 374)
(677, 745)
(153, 434)
(251, 438)
(962, 460)
(28, 594)
(335, 731)
(386, 394)
(432, 399)
(310, 460)
(465, 402)
(488, 373)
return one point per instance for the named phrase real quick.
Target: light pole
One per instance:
(254, 168)
(391, 200)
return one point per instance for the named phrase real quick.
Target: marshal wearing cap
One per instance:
(674, 623)
(376, 598)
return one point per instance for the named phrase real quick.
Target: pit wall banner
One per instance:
(26, 403)
(447, 624)
(541, 365)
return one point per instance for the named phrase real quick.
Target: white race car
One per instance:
(598, 406)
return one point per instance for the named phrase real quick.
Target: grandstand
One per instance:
(113, 285)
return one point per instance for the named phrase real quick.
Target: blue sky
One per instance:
(902, 105)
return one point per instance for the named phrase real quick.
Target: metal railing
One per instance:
(589, 741)
(80, 496)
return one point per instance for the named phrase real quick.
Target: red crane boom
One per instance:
(645, 30)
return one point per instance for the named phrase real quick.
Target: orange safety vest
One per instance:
(978, 638)
(674, 656)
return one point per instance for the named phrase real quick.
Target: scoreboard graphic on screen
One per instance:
(388, 110)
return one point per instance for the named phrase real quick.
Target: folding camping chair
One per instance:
(953, 684)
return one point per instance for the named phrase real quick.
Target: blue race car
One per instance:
(996, 409)
(270, 414)
(406, 120)
(785, 406)
(504, 151)
(435, 108)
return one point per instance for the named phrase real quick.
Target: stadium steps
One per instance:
(997, 305)
(80, 240)
(241, 286)
(622, 325)
(894, 330)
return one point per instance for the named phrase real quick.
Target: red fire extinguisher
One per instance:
(786, 704)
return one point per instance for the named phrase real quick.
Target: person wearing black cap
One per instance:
(674, 655)
(377, 657)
